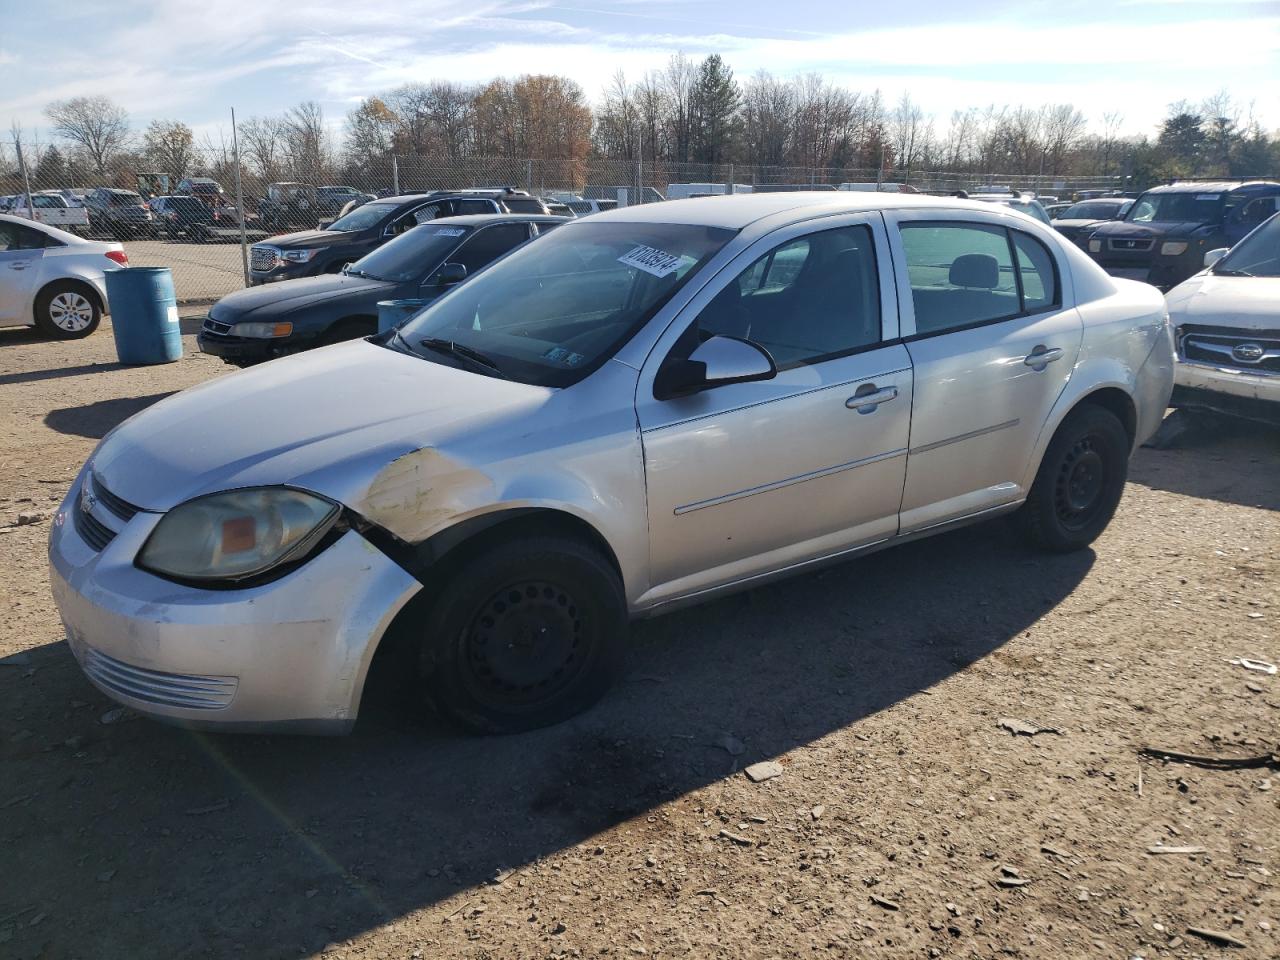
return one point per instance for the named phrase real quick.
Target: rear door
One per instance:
(21, 250)
(992, 345)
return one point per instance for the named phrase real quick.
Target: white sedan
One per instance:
(1227, 325)
(53, 280)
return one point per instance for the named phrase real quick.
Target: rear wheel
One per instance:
(524, 635)
(66, 311)
(1080, 481)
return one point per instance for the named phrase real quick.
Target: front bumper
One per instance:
(1227, 390)
(291, 655)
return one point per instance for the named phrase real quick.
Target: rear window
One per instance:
(122, 198)
(523, 205)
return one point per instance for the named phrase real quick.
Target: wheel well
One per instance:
(1119, 403)
(79, 285)
(366, 324)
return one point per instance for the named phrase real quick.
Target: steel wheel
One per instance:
(1080, 482)
(70, 311)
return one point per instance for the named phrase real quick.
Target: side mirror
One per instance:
(1213, 256)
(449, 274)
(716, 362)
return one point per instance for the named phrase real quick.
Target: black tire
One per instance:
(1079, 483)
(523, 635)
(67, 311)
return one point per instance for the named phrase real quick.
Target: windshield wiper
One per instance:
(1232, 273)
(462, 352)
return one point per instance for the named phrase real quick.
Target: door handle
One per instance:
(1042, 355)
(867, 397)
(19, 265)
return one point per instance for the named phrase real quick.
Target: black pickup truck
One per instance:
(1166, 233)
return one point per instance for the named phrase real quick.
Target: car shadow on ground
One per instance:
(96, 420)
(1190, 454)
(177, 844)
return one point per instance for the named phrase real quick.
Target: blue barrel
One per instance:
(392, 313)
(144, 315)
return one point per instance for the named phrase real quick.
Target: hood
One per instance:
(1125, 228)
(1249, 303)
(289, 296)
(1078, 224)
(309, 239)
(327, 420)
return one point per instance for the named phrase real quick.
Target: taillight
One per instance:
(119, 256)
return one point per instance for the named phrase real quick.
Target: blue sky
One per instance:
(193, 60)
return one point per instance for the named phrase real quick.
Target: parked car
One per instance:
(1079, 220)
(120, 213)
(331, 200)
(310, 253)
(289, 204)
(52, 209)
(1022, 202)
(205, 189)
(53, 280)
(250, 326)
(1226, 323)
(186, 217)
(1055, 210)
(584, 208)
(1166, 233)
(646, 408)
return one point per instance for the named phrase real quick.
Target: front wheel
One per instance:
(65, 311)
(524, 635)
(1078, 486)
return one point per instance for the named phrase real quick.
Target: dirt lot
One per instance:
(907, 821)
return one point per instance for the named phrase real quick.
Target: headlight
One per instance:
(261, 331)
(237, 535)
(1174, 248)
(297, 256)
(1095, 246)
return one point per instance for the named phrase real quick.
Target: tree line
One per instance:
(684, 113)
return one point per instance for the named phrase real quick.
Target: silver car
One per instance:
(646, 408)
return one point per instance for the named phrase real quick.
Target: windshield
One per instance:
(1090, 210)
(412, 254)
(1257, 255)
(362, 218)
(554, 310)
(1177, 208)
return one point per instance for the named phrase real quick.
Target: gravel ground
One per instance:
(905, 822)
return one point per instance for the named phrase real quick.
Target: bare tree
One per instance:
(767, 113)
(169, 146)
(262, 144)
(306, 142)
(94, 124)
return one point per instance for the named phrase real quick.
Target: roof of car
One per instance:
(735, 211)
(480, 219)
(1210, 186)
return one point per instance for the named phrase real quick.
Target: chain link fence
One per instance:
(202, 227)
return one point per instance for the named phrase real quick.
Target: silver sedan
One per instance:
(646, 408)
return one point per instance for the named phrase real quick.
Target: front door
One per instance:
(21, 250)
(749, 478)
(992, 346)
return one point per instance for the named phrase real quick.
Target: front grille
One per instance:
(211, 325)
(92, 530)
(124, 510)
(1128, 245)
(262, 258)
(1231, 347)
(193, 691)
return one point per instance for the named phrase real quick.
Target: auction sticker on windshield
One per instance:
(449, 231)
(652, 260)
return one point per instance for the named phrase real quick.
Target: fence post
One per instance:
(730, 187)
(26, 181)
(244, 243)
(395, 175)
(528, 175)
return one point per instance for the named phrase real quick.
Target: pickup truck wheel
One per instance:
(65, 311)
(524, 635)
(1080, 481)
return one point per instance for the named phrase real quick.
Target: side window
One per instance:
(487, 245)
(424, 214)
(8, 236)
(474, 206)
(808, 300)
(546, 227)
(24, 238)
(1258, 210)
(960, 275)
(1036, 268)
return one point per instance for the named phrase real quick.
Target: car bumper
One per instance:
(236, 349)
(1227, 390)
(288, 656)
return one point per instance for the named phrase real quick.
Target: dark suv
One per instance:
(250, 326)
(120, 213)
(1166, 233)
(313, 252)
